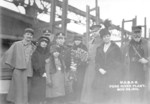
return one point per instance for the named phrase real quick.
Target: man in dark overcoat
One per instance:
(137, 53)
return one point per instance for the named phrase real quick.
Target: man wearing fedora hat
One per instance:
(18, 59)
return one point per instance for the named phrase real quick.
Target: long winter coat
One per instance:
(111, 62)
(87, 91)
(80, 71)
(134, 67)
(55, 76)
(38, 82)
(137, 72)
(16, 59)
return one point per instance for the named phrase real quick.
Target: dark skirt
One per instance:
(37, 91)
(103, 86)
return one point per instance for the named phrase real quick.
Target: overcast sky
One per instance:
(115, 10)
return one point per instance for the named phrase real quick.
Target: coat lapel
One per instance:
(109, 49)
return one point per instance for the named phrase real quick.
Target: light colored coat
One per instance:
(15, 58)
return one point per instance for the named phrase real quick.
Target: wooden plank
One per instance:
(73, 9)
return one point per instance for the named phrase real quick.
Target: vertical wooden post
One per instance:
(145, 28)
(87, 24)
(97, 12)
(52, 15)
(122, 33)
(134, 21)
(149, 33)
(64, 15)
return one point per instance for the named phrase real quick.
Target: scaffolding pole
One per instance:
(52, 15)
(64, 16)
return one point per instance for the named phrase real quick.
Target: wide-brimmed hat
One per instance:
(47, 32)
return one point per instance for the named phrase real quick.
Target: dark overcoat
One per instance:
(111, 62)
(55, 76)
(137, 72)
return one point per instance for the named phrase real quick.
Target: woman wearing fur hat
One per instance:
(38, 63)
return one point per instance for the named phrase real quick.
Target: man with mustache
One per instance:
(137, 54)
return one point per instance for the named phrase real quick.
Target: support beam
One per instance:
(97, 12)
(134, 22)
(52, 15)
(59, 22)
(122, 33)
(145, 28)
(22, 17)
(73, 9)
(64, 15)
(92, 9)
(87, 24)
(128, 21)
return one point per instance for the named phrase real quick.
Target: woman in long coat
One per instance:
(55, 71)
(38, 82)
(79, 56)
(108, 70)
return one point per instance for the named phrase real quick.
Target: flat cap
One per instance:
(77, 37)
(46, 32)
(29, 30)
(43, 38)
(60, 34)
(136, 29)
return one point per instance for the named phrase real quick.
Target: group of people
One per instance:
(45, 71)
(50, 72)
(121, 74)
